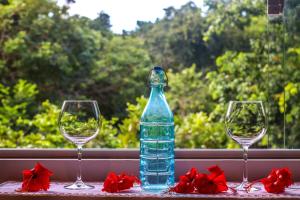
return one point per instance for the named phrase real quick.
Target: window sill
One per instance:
(56, 191)
(134, 153)
(97, 163)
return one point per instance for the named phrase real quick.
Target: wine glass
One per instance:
(246, 123)
(79, 122)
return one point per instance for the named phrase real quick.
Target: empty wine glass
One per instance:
(246, 123)
(79, 122)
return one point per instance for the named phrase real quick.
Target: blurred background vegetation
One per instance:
(227, 51)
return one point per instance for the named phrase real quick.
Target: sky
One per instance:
(124, 13)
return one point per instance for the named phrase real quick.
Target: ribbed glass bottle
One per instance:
(157, 137)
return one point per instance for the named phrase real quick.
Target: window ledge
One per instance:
(134, 153)
(56, 191)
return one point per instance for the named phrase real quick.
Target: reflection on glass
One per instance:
(246, 123)
(79, 122)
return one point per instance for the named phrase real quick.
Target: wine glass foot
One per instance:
(244, 187)
(79, 185)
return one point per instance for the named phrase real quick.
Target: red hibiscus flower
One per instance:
(116, 183)
(213, 183)
(185, 183)
(126, 182)
(191, 175)
(194, 182)
(111, 183)
(36, 179)
(277, 180)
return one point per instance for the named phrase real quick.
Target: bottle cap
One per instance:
(158, 76)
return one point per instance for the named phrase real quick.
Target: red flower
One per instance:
(115, 183)
(126, 182)
(213, 183)
(36, 179)
(194, 182)
(111, 183)
(191, 175)
(185, 183)
(277, 180)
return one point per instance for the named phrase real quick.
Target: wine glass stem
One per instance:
(245, 173)
(79, 154)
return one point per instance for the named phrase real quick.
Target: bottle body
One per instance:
(157, 155)
(157, 143)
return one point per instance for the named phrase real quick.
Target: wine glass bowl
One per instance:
(246, 123)
(78, 127)
(79, 121)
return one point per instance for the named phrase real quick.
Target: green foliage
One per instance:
(197, 130)
(102, 23)
(121, 74)
(176, 40)
(53, 52)
(75, 128)
(20, 124)
(130, 126)
(21, 128)
(227, 51)
(188, 92)
(46, 123)
(107, 135)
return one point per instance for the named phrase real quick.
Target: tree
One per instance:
(176, 40)
(121, 74)
(40, 43)
(102, 24)
(188, 92)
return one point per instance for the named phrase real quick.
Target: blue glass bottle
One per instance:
(157, 137)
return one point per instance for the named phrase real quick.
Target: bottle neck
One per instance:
(157, 90)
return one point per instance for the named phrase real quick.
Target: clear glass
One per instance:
(79, 122)
(291, 32)
(246, 123)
